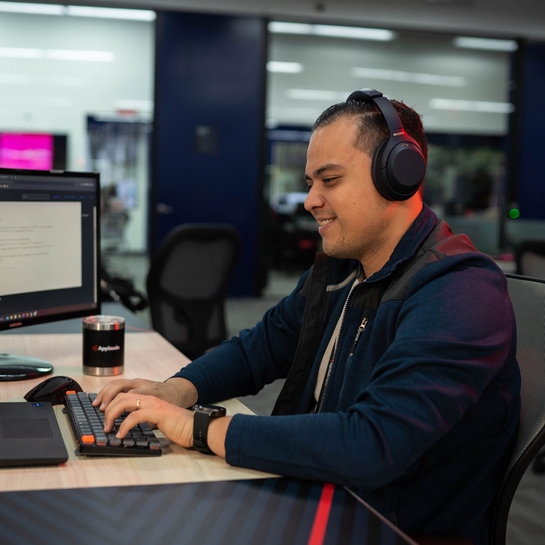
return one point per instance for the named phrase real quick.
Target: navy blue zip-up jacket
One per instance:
(421, 409)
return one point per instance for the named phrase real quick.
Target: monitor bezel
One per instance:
(48, 318)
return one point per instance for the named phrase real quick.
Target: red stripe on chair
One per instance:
(319, 527)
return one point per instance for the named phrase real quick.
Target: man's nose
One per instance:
(313, 200)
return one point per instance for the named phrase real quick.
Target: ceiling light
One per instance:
(111, 13)
(23, 7)
(78, 11)
(316, 94)
(485, 43)
(289, 28)
(284, 67)
(472, 106)
(21, 53)
(359, 33)
(410, 77)
(77, 55)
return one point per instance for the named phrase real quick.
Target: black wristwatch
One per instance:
(203, 415)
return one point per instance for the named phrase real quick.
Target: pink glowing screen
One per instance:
(34, 151)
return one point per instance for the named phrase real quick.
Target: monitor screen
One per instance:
(37, 151)
(49, 246)
(26, 151)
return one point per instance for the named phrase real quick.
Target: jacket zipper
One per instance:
(361, 329)
(332, 359)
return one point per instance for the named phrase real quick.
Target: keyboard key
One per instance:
(87, 424)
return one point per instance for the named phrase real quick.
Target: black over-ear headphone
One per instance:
(398, 164)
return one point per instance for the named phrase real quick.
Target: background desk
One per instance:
(148, 500)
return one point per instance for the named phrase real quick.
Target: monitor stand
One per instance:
(22, 367)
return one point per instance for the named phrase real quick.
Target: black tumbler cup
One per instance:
(103, 345)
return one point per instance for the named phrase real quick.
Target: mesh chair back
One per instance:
(528, 297)
(187, 285)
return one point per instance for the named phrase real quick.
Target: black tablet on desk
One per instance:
(30, 435)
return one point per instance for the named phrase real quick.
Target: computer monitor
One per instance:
(37, 151)
(49, 253)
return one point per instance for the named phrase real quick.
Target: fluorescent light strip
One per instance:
(21, 53)
(359, 33)
(75, 55)
(39, 9)
(78, 11)
(472, 106)
(410, 77)
(317, 94)
(284, 67)
(289, 28)
(111, 13)
(56, 54)
(485, 44)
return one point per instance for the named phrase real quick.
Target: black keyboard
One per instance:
(87, 423)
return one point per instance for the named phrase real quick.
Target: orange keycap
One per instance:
(88, 439)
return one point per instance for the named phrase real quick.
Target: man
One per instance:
(398, 346)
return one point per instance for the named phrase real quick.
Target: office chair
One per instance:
(187, 284)
(528, 298)
(530, 261)
(530, 258)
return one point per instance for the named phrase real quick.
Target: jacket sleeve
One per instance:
(243, 365)
(453, 334)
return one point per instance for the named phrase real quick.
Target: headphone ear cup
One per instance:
(403, 171)
(379, 175)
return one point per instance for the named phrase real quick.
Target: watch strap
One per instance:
(200, 432)
(201, 421)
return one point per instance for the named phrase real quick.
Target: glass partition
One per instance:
(462, 93)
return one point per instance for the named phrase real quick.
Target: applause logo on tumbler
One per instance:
(98, 348)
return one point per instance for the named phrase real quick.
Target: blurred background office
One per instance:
(199, 111)
(203, 113)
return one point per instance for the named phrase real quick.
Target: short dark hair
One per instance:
(372, 125)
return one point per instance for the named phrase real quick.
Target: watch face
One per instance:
(213, 410)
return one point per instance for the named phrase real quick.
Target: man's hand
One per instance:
(176, 391)
(174, 422)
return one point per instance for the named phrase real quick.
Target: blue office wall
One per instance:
(209, 127)
(531, 163)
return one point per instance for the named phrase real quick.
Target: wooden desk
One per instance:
(147, 355)
(142, 501)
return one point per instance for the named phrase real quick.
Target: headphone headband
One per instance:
(398, 164)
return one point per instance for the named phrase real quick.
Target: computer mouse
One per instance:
(53, 390)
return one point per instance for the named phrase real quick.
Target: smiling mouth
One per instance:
(322, 223)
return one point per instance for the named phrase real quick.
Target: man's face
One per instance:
(354, 219)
